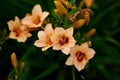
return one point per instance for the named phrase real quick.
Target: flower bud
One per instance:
(87, 17)
(28, 14)
(86, 13)
(58, 12)
(14, 60)
(81, 4)
(78, 23)
(67, 4)
(90, 33)
(88, 3)
(60, 7)
(22, 65)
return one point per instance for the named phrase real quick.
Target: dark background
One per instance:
(104, 66)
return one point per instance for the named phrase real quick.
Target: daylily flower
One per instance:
(36, 19)
(80, 55)
(63, 39)
(18, 31)
(44, 38)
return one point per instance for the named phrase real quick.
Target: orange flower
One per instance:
(63, 39)
(80, 55)
(44, 38)
(36, 19)
(18, 31)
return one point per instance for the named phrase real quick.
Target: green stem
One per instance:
(73, 73)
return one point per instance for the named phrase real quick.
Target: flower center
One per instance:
(36, 20)
(63, 40)
(17, 31)
(80, 56)
(48, 40)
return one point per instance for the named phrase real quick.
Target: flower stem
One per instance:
(73, 73)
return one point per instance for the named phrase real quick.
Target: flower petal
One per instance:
(37, 10)
(17, 21)
(21, 38)
(66, 50)
(28, 21)
(84, 45)
(45, 48)
(39, 43)
(59, 30)
(10, 25)
(80, 65)
(12, 35)
(90, 53)
(57, 46)
(44, 15)
(49, 29)
(71, 42)
(73, 50)
(41, 34)
(70, 31)
(69, 61)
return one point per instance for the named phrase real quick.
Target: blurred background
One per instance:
(106, 42)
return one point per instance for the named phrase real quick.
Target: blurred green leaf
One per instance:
(51, 69)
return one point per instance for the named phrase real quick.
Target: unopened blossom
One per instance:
(18, 31)
(61, 10)
(63, 39)
(14, 60)
(37, 17)
(79, 23)
(90, 33)
(88, 3)
(86, 14)
(44, 40)
(80, 55)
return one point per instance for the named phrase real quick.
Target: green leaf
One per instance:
(51, 69)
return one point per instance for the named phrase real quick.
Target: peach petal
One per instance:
(90, 53)
(10, 25)
(49, 29)
(28, 21)
(41, 34)
(45, 48)
(39, 43)
(37, 10)
(66, 50)
(69, 61)
(44, 15)
(70, 31)
(79, 65)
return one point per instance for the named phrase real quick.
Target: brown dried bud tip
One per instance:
(14, 60)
